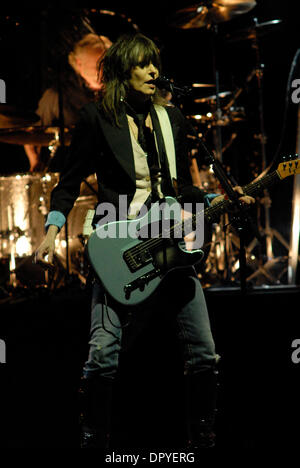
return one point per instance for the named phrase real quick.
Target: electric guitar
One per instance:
(131, 264)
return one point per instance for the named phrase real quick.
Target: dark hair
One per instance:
(115, 68)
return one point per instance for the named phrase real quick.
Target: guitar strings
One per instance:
(213, 210)
(152, 242)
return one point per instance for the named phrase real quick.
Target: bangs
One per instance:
(143, 53)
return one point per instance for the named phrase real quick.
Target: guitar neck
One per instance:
(213, 212)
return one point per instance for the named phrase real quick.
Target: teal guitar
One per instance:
(132, 257)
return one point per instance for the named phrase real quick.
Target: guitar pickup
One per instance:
(136, 260)
(144, 257)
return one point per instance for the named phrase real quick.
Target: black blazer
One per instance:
(100, 147)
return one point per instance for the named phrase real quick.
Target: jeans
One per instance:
(182, 294)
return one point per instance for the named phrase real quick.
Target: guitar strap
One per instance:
(168, 139)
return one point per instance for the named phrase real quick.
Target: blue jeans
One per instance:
(181, 292)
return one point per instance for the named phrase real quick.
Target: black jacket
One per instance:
(99, 147)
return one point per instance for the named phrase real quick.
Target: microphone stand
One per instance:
(163, 82)
(240, 217)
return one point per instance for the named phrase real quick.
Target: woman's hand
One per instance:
(245, 198)
(47, 247)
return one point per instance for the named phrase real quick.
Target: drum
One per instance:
(24, 204)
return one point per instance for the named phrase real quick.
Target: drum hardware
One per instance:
(257, 30)
(252, 34)
(266, 269)
(12, 270)
(111, 23)
(24, 205)
(234, 114)
(212, 99)
(49, 136)
(268, 232)
(30, 194)
(209, 15)
(43, 206)
(229, 142)
(238, 92)
(12, 261)
(24, 201)
(272, 271)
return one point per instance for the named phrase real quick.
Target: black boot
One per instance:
(201, 396)
(96, 405)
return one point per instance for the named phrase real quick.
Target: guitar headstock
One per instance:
(290, 165)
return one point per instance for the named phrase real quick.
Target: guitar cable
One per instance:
(105, 310)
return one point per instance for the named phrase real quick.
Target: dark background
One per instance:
(46, 334)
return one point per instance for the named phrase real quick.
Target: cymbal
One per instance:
(12, 116)
(218, 11)
(254, 31)
(34, 135)
(203, 85)
(213, 98)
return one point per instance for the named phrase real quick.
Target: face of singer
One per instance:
(140, 78)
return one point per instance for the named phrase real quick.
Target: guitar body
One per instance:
(130, 261)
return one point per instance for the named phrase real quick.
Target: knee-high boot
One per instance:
(201, 397)
(96, 409)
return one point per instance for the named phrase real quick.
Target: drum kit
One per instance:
(25, 197)
(25, 202)
(219, 114)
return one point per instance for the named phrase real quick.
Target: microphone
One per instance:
(162, 82)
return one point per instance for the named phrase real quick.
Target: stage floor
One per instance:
(46, 337)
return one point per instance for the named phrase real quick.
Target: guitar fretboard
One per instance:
(212, 213)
